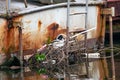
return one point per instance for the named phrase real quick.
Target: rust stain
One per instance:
(31, 40)
(100, 27)
(16, 34)
(100, 33)
(53, 30)
(9, 41)
(26, 40)
(53, 26)
(39, 25)
(3, 24)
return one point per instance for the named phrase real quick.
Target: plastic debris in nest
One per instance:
(59, 41)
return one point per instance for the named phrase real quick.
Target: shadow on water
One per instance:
(26, 74)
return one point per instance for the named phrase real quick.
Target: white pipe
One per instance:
(83, 32)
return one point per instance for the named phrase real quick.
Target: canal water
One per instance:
(42, 74)
(22, 75)
(71, 72)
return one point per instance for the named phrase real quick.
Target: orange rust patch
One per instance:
(3, 24)
(39, 25)
(9, 41)
(26, 40)
(100, 32)
(53, 30)
(53, 26)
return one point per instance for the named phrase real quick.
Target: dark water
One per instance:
(41, 74)
(116, 39)
(25, 74)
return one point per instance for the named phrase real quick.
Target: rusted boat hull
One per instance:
(39, 24)
(43, 23)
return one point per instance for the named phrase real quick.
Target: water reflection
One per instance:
(25, 74)
(42, 73)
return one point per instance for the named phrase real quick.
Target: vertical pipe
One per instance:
(21, 52)
(51, 1)
(68, 17)
(86, 27)
(20, 46)
(68, 25)
(8, 4)
(111, 45)
(25, 2)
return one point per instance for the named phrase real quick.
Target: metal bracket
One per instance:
(108, 11)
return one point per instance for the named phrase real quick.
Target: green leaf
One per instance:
(40, 57)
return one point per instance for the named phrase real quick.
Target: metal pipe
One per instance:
(25, 2)
(86, 27)
(51, 1)
(68, 25)
(21, 52)
(111, 45)
(20, 46)
(68, 16)
(8, 6)
(82, 32)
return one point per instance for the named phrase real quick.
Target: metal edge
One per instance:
(52, 6)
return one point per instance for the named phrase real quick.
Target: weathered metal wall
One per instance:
(40, 25)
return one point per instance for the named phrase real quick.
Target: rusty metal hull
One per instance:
(41, 24)
(46, 22)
